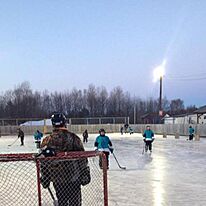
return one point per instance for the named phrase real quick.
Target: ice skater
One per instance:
(103, 144)
(121, 130)
(37, 138)
(191, 133)
(131, 130)
(85, 136)
(148, 139)
(126, 127)
(21, 135)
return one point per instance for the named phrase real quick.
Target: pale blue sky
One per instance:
(61, 44)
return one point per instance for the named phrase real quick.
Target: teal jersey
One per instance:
(148, 134)
(38, 136)
(191, 131)
(102, 142)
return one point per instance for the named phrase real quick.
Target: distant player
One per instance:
(103, 144)
(121, 130)
(85, 136)
(21, 135)
(126, 127)
(130, 130)
(191, 133)
(148, 139)
(37, 137)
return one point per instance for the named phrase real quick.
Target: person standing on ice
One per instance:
(103, 144)
(121, 130)
(67, 176)
(85, 136)
(21, 135)
(191, 133)
(37, 138)
(148, 139)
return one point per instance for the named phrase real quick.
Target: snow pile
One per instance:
(37, 123)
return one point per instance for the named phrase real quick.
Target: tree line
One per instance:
(23, 102)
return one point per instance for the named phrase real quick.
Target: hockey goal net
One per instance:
(21, 182)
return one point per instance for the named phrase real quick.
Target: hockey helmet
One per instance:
(58, 120)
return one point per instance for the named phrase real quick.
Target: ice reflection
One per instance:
(158, 179)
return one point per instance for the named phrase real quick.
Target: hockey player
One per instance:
(126, 127)
(191, 133)
(85, 136)
(21, 135)
(121, 130)
(131, 130)
(37, 138)
(103, 144)
(67, 175)
(148, 139)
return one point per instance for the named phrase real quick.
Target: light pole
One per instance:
(159, 72)
(160, 98)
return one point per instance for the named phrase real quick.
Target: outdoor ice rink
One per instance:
(174, 175)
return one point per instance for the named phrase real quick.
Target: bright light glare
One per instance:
(159, 71)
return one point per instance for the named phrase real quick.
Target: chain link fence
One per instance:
(72, 179)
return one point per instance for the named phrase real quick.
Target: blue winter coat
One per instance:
(103, 143)
(148, 135)
(191, 130)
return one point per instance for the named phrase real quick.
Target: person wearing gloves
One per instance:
(148, 139)
(103, 144)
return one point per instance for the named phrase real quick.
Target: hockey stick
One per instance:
(13, 142)
(53, 198)
(124, 168)
(143, 148)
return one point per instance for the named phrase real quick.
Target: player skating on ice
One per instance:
(148, 139)
(85, 136)
(191, 133)
(37, 138)
(21, 135)
(103, 144)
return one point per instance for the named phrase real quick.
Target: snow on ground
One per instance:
(174, 175)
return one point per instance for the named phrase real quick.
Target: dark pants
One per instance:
(191, 137)
(107, 158)
(148, 144)
(22, 140)
(85, 139)
(68, 194)
(38, 144)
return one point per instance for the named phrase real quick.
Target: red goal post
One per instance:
(20, 182)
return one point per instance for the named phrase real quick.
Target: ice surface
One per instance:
(174, 175)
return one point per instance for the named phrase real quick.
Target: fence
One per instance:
(71, 121)
(98, 120)
(23, 178)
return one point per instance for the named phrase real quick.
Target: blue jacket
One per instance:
(148, 135)
(38, 136)
(191, 130)
(103, 143)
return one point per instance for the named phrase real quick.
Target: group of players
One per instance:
(68, 176)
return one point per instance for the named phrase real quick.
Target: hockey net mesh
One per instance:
(19, 181)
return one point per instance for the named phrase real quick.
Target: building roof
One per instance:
(201, 110)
